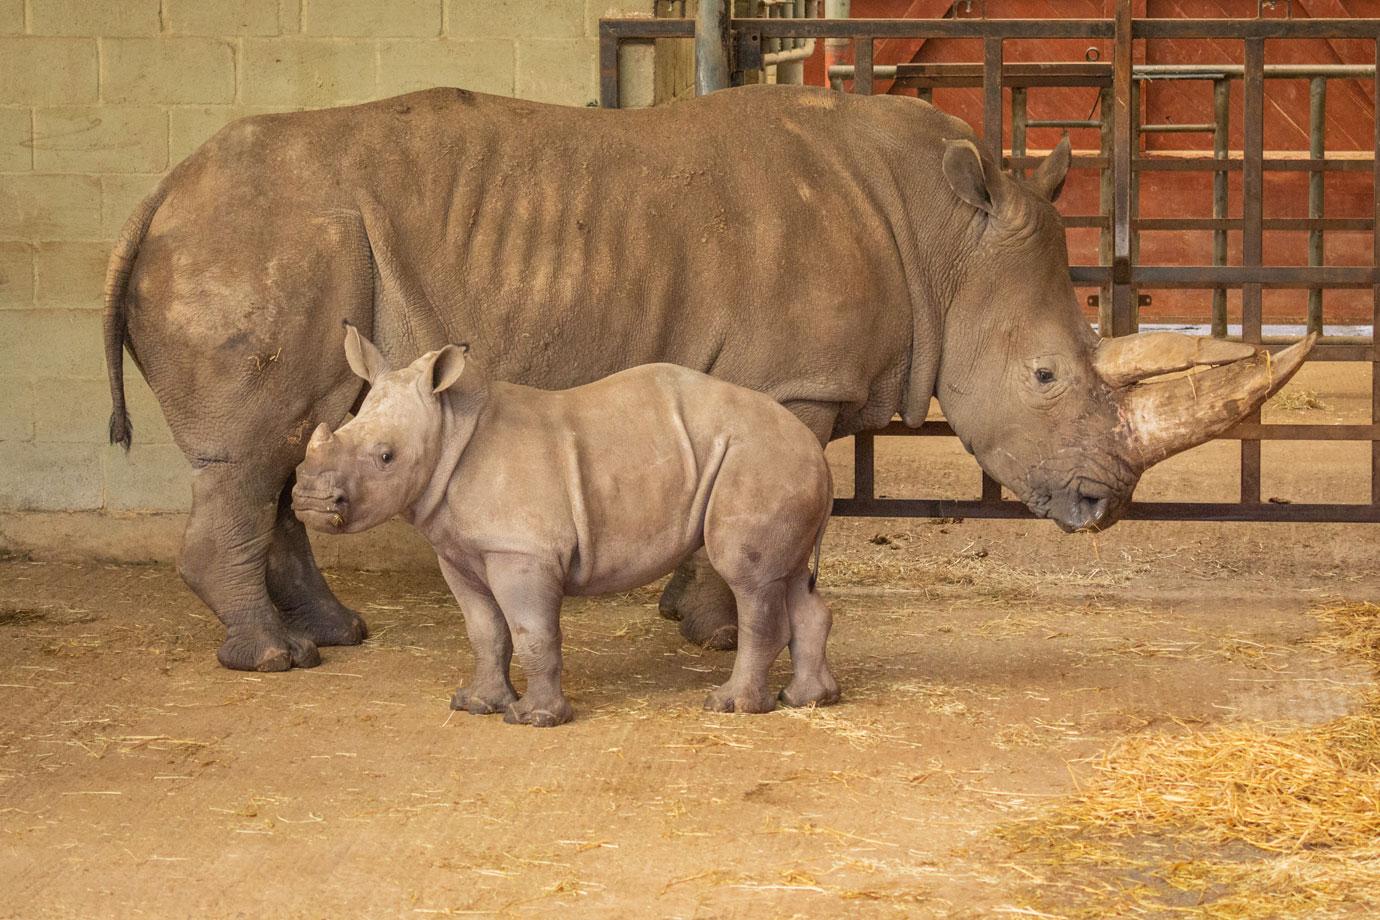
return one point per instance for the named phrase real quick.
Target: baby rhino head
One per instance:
(379, 463)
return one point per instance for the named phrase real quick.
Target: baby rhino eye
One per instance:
(386, 455)
(1044, 375)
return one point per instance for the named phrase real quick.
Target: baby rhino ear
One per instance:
(363, 355)
(447, 366)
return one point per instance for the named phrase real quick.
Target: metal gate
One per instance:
(1122, 163)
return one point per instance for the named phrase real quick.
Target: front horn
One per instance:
(1169, 416)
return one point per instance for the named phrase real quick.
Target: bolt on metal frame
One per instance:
(1121, 162)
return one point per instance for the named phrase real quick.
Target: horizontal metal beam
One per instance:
(1254, 431)
(1265, 512)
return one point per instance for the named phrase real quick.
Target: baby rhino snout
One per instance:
(319, 501)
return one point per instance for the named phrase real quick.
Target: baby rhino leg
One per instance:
(762, 633)
(812, 681)
(529, 595)
(490, 690)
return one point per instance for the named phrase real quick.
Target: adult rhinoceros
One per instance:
(849, 256)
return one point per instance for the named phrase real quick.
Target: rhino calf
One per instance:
(529, 495)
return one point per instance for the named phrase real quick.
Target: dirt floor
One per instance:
(982, 663)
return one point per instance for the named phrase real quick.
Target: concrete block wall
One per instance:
(99, 98)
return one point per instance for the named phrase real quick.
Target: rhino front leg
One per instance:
(529, 594)
(490, 690)
(298, 589)
(224, 557)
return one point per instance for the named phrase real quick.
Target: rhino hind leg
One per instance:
(812, 683)
(702, 601)
(298, 589)
(224, 552)
(763, 633)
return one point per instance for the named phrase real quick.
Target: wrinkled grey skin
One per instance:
(529, 495)
(848, 256)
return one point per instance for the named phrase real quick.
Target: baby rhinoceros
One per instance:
(529, 495)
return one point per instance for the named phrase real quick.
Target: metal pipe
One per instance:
(711, 46)
(1317, 123)
(1139, 72)
(1018, 124)
(836, 50)
(1057, 122)
(1104, 206)
(1221, 116)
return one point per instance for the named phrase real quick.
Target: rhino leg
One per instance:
(491, 689)
(224, 552)
(299, 591)
(697, 596)
(812, 683)
(530, 598)
(762, 634)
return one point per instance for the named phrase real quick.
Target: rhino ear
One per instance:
(446, 366)
(363, 355)
(967, 175)
(1050, 174)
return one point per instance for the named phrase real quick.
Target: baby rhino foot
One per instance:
(483, 701)
(733, 699)
(811, 691)
(328, 623)
(541, 713)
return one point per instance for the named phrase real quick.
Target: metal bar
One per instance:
(1256, 29)
(1317, 124)
(991, 96)
(1275, 164)
(1272, 276)
(1375, 292)
(1019, 117)
(1252, 187)
(711, 46)
(1284, 512)
(1078, 73)
(862, 55)
(863, 469)
(1177, 129)
(942, 429)
(1104, 206)
(1221, 116)
(1058, 122)
(608, 66)
(1136, 114)
(1234, 223)
(1123, 295)
(1065, 28)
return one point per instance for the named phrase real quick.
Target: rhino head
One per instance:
(1065, 420)
(385, 460)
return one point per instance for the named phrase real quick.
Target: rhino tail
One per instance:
(116, 331)
(819, 543)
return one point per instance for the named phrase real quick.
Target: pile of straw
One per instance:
(1248, 821)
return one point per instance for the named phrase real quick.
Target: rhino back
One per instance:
(763, 235)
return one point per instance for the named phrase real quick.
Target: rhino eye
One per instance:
(1044, 375)
(386, 456)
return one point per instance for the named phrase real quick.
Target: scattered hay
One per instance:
(1243, 822)
(1295, 399)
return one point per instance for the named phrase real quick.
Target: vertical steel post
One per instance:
(1123, 295)
(1221, 138)
(1317, 129)
(711, 46)
(1018, 126)
(1136, 116)
(1375, 293)
(1104, 208)
(862, 66)
(991, 96)
(864, 487)
(1252, 188)
(608, 68)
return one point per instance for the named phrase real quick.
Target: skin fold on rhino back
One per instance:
(764, 235)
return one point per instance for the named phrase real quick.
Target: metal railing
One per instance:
(1120, 162)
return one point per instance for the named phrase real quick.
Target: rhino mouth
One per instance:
(326, 511)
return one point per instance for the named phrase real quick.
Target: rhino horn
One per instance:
(1130, 358)
(1165, 417)
(322, 435)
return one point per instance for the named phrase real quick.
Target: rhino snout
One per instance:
(320, 503)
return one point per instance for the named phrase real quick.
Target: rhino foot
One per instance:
(483, 701)
(811, 691)
(704, 605)
(734, 699)
(327, 622)
(260, 650)
(540, 713)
